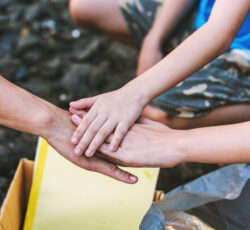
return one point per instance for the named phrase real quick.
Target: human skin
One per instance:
(152, 144)
(98, 15)
(25, 112)
(167, 18)
(118, 110)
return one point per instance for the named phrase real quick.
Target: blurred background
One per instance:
(42, 51)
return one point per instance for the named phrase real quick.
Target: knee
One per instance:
(173, 122)
(80, 11)
(156, 114)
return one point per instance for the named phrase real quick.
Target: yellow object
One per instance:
(65, 197)
(14, 205)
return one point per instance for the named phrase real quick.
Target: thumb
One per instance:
(83, 103)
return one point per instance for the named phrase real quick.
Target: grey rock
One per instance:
(15, 13)
(76, 79)
(7, 41)
(84, 51)
(3, 19)
(29, 42)
(3, 183)
(37, 10)
(22, 74)
(100, 75)
(7, 159)
(38, 87)
(52, 68)
(4, 3)
(8, 67)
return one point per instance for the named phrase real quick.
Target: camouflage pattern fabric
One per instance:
(224, 81)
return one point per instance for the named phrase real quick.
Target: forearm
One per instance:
(23, 111)
(221, 144)
(167, 18)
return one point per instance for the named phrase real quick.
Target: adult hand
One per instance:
(147, 144)
(110, 112)
(150, 54)
(58, 133)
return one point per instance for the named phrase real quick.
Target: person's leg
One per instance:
(99, 15)
(229, 114)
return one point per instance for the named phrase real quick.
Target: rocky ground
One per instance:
(42, 51)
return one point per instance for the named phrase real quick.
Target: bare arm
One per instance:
(118, 110)
(221, 144)
(25, 112)
(200, 48)
(167, 18)
(156, 145)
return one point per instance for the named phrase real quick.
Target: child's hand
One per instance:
(111, 112)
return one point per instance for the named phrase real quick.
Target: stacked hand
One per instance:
(58, 133)
(147, 144)
(113, 112)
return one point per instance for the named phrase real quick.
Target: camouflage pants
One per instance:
(224, 81)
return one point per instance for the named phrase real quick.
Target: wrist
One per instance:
(45, 119)
(137, 92)
(174, 147)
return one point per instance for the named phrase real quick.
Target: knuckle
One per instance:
(122, 174)
(92, 168)
(121, 132)
(83, 144)
(85, 121)
(92, 131)
(105, 113)
(78, 132)
(94, 145)
(112, 167)
(103, 133)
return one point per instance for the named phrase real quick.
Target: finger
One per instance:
(109, 138)
(86, 121)
(104, 149)
(76, 119)
(80, 113)
(83, 103)
(101, 136)
(106, 168)
(120, 132)
(113, 171)
(89, 136)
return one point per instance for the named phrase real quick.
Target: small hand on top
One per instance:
(112, 112)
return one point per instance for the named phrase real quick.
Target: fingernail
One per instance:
(133, 178)
(112, 148)
(78, 151)
(89, 152)
(74, 140)
(72, 110)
